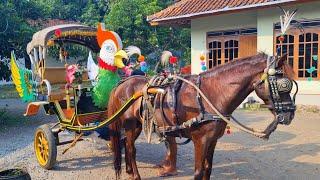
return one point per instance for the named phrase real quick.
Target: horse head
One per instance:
(274, 86)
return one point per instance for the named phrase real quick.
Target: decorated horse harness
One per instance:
(272, 78)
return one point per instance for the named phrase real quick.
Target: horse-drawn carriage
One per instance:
(197, 107)
(48, 85)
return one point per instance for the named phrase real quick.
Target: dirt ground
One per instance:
(293, 152)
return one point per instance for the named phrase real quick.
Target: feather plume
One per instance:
(165, 57)
(131, 50)
(92, 67)
(286, 19)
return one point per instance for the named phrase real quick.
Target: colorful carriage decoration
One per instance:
(46, 86)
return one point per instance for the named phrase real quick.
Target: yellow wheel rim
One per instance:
(41, 148)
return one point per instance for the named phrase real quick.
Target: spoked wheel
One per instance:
(45, 147)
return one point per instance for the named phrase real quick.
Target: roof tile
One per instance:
(187, 9)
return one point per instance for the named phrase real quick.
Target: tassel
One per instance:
(228, 130)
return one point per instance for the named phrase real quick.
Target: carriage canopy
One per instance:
(69, 33)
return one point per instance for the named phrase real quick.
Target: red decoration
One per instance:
(281, 38)
(57, 32)
(186, 70)
(106, 66)
(173, 60)
(228, 130)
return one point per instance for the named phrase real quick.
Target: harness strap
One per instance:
(253, 132)
(193, 122)
(199, 100)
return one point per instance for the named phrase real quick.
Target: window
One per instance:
(308, 55)
(231, 50)
(214, 54)
(302, 51)
(226, 46)
(287, 47)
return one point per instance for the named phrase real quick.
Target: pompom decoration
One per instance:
(315, 57)
(144, 69)
(57, 32)
(203, 62)
(202, 57)
(143, 64)
(50, 43)
(127, 70)
(141, 58)
(173, 60)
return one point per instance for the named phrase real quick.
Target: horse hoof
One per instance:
(167, 172)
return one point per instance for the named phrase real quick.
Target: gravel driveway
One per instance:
(293, 152)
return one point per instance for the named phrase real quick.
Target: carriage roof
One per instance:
(70, 33)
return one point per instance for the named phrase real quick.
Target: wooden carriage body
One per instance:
(68, 104)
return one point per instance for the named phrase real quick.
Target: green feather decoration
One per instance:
(101, 92)
(22, 78)
(26, 84)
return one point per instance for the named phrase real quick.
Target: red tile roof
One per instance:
(185, 10)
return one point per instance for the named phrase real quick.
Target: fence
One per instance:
(5, 74)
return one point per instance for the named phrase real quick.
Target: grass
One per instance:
(8, 91)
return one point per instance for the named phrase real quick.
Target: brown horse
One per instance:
(225, 86)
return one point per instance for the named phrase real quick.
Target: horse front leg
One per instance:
(169, 164)
(208, 160)
(201, 146)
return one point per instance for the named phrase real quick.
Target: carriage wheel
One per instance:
(45, 147)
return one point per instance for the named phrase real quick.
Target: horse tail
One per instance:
(115, 136)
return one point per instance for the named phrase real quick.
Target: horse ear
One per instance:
(282, 60)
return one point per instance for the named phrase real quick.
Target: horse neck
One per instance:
(227, 89)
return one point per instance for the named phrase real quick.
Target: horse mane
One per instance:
(236, 64)
(258, 58)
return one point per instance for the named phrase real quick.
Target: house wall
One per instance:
(264, 20)
(200, 27)
(267, 17)
(309, 91)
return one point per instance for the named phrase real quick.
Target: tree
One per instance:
(128, 18)
(94, 12)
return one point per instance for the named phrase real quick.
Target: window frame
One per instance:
(222, 40)
(296, 33)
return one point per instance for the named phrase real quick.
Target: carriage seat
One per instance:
(57, 78)
(57, 75)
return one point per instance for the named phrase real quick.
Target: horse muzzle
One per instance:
(285, 118)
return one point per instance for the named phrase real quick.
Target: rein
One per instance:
(237, 124)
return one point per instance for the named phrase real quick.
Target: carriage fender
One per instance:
(33, 108)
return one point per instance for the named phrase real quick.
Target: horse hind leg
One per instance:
(168, 167)
(132, 132)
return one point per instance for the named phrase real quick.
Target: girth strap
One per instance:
(193, 122)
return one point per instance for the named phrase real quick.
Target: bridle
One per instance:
(277, 85)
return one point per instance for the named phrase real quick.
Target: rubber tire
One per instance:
(52, 158)
(23, 176)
